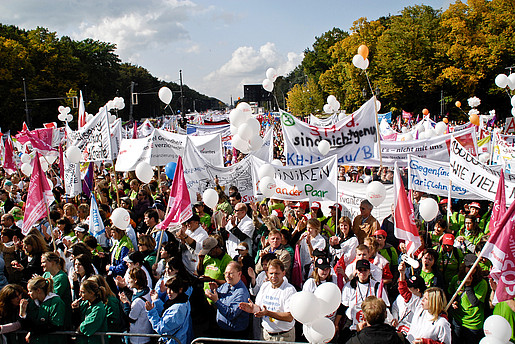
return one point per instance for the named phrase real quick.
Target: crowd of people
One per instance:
(230, 272)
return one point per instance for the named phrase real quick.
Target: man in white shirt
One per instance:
(363, 252)
(240, 228)
(272, 304)
(191, 236)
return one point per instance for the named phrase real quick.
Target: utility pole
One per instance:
(182, 97)
(27, 119)
(131, 106)
(442, 104)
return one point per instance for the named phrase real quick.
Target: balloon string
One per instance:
(277, 102)
(369, 84)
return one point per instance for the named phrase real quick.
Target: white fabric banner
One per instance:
(353, 138)
(162, 147)
(116, 136)
(351, 194)
(503, 153)
(323, 122)
(468, 172)
(266, 152)
(145, 129)
(93, 139)
(432, 177)
(200, 174)
(72, 180)
(315, 182)
(435, 148)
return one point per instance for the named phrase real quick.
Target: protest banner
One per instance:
(116, 136)
(352, 139)
(432, 177)
(503, 153)
(323, 122)
(266, 152)
(509, 127)
(468, 172)
(200, 174)
(145, 129)
(435, 148)
(162, 147)
(351, 194)
(314, 182)
(72, 178)
(93, 139)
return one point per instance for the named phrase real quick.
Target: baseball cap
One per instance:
(159, 205)
(380, 232)
(80, 229)
(242, 246)
(417, 282)
(363, 264)
(208, 244)
(444, 201)
(199, 203)
(194, 217)
(447, 239)
(322, 262)
(315, 205)
(475, 205)
(302, 205)
(134, 257)
(469, 259)
(336, 205)
(278, 213)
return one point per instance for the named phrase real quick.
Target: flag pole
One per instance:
(116, 186)
(162, 232)
(463, 283)
(50, 224)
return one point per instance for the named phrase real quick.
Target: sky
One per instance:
(219, 45)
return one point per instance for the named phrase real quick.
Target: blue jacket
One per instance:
(228, 315)
(175, 320)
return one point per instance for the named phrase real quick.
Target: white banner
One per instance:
(200, 175)
(352, 139)
(162, 147)
(72, 180)
(468, 172)
(315, 182)
(94, 139)
(116, 136)
(266, 152)
(435, 148)
(432, 177)
(351, 194)
(323, 122)
(503, 153)
(145, 129)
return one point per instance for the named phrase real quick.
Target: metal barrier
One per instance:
(226, 340)
(103, 334)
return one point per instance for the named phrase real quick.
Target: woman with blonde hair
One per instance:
(430, 319)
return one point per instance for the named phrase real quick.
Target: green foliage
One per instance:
(59, 67)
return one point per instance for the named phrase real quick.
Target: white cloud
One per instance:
(248, 66)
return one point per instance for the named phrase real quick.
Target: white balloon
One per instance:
(501, 80)
(341, 116)
(26, 168)
(67, 110)
(430, 133)
(358, 61)
(327, 108)
(237, 117)
(492, 340)
(483, 157)
(210, 198)
(440, 128)
(89, 117)
(73, 154)
(245, 130)
(378, 105)
(255, 142)
(513, 101)
(69, 118)
(111, 118)
(110, 105)
(304, 307)
(245, 108)
(322, 330)
(277, 162)
(61, 117)
(268, 85)
(376, 193)
(234, 129)
(408, 137)
(329, 297)
(428, 209)
(331, 100)
(60, 109)
(239, 143)
(44, 164)
(266, 170)
(324, 146)
(422, 135)
(144, 172)
(25, 158)
(513, 111)
(511, 81)
(336, 106)
(50, 184)
(498, 327)
(404, 130)
(365, 64)
(120, 218)
(306, 330)
(51, 158)
(267, 186)
(165, 95)
(254, 125)
(271, 74)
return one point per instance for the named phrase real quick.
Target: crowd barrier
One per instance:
(103, 334)
(201, 340)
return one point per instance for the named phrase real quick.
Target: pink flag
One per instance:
(61, 162)
(405, 227)
(82, 111)
(9, 163)
(38, 197)
(179, 204)
(40, 139)
(499, 205)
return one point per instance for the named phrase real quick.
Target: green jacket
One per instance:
(47, 316)
(63, 289)
(93, 318)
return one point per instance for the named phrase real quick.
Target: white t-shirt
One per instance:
(276, 300)
(142, 325)
(354, 297)
(260, 279)
(317, 242)
(375, 271)
(247, 227)
(403, 311)
(189, 256)
(347, 249)
(423, 326)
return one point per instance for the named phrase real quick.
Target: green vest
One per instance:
(117, 249)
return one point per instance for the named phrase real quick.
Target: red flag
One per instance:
(24, 127)
(499, 208)
(405, 227)
(135, 131)
(9, 163)
(38, 196)
(82, 111)
(179, 202)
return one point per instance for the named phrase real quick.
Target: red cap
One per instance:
(336, 205)
(380, 232)
(444, 201)
(447, 239)
(475, 205)
(278, 213)
(315, 205)
(302, 205)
